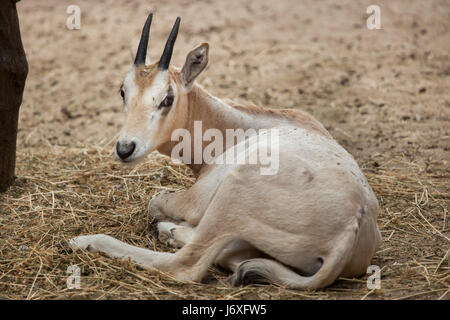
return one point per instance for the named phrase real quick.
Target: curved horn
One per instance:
(142, 49)
(168, 49)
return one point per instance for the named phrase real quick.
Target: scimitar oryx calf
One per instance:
(311, 222)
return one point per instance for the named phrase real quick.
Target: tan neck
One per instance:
(216, 114)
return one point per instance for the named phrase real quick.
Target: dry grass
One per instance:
(383, 94)
(62, 192)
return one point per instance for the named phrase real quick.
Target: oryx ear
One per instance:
(133, 49)
(196, 61)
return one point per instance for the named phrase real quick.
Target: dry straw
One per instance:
(62, 192)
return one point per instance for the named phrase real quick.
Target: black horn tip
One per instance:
(168, 49)
(143, 43)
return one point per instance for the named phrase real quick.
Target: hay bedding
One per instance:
(367, 88)
(63, 192)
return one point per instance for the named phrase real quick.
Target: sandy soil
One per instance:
(378, 91)
(383, 94)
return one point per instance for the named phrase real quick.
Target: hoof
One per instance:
(85, 242)
(165, 231)
(64, 247)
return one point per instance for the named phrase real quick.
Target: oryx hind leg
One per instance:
(250, 266)
(230, 258)
(235, 253)
(264, 270)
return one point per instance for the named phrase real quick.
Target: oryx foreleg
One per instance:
(189, 205)
(175, 235)
(188, 264)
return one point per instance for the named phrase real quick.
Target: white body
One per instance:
(303, 227)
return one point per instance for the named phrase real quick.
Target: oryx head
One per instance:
(155, 97)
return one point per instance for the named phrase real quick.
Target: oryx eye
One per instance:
(122, 93)
(167, 102)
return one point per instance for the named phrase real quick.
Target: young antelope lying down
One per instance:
(304, 225)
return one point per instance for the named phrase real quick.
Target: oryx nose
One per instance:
(124, 150)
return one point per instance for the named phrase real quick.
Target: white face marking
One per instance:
(151, 99)
(154, 95)
(130, 88)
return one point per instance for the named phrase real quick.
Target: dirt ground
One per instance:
(383, 94)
